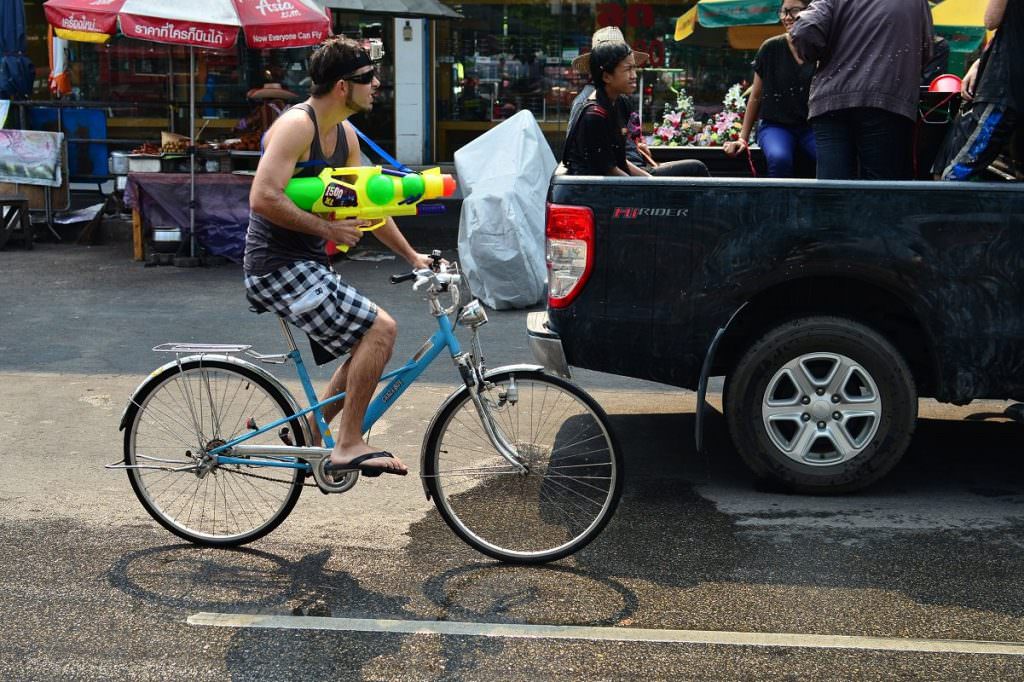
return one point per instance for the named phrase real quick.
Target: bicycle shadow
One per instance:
(498, 593)
(250, 581)
(192, 579)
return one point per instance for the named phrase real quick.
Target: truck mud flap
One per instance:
(702, 386)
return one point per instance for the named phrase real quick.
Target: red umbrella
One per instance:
(195, 23)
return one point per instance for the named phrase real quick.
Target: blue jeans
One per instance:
(780, 144)
(864, 143)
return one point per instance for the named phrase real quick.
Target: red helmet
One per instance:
(947, 82)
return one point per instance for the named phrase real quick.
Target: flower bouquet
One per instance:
(678, 126)
(727, 124)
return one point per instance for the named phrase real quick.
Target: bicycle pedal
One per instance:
(285, 436)
(250, 424)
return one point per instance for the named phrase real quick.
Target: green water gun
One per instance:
(371, 193)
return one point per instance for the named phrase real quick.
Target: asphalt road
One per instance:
(914, 572)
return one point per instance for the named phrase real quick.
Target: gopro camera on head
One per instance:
(375, 48)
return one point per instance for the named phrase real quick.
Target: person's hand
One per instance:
(345, 231)
(967, 85)
(645, 152)
(734, 148)
(423, 260)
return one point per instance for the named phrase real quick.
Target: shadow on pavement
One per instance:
(943, 529)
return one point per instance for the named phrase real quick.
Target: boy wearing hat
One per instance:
(637, 154)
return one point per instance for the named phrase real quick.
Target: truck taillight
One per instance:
(570, 252)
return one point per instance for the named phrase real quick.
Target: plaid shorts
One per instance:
(313, 298)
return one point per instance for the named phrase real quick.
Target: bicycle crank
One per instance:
(327, 483)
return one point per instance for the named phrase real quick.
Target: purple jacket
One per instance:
(870, 53)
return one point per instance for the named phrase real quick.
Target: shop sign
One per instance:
(635, 16)
(163, 31)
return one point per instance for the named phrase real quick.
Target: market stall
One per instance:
(160, 201)
(211, 24)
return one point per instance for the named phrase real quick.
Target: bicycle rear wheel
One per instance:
(175, 420)
(568, 492)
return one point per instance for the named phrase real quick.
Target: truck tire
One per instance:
(821, 405)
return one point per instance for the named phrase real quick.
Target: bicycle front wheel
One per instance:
(175, 420)
(568, 490)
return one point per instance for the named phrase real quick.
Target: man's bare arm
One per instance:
(286, 143)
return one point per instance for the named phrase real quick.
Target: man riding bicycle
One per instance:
(286, 267)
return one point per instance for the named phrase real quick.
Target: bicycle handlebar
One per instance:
(398, 279)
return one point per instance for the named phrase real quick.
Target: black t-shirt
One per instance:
(1001, 79)
(599, 140)
(786, 84)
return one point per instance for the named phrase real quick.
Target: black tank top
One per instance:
(269, 246)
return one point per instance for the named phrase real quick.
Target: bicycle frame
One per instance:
(400, 379)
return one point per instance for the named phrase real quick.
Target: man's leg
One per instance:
(978, 137)
(884, 144)
(833, 139)
(684, 168)
(334, 387)
(366, 364)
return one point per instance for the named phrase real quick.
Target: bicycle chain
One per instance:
(267, 478)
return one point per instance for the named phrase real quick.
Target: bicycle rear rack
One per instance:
(201, 348)
(220, 349)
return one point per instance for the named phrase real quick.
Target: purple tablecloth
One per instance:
(222, 207)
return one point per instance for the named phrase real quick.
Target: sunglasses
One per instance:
(362, 78)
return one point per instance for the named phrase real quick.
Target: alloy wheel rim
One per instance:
(821, 409)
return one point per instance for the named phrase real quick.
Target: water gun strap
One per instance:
(383, 154)
(373, 145)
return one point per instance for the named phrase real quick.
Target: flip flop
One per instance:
(368, 471)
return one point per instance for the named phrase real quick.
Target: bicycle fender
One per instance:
(172, 366)
(450, 399)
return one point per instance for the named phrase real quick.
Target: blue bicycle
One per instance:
(520, 464)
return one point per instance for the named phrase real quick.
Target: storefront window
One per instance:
(507, 57)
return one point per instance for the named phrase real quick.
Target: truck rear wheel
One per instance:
(821, 405)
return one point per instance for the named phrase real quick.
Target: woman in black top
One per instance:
(597, 141)
(779, 98)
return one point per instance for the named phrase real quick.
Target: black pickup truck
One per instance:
(829, 306)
